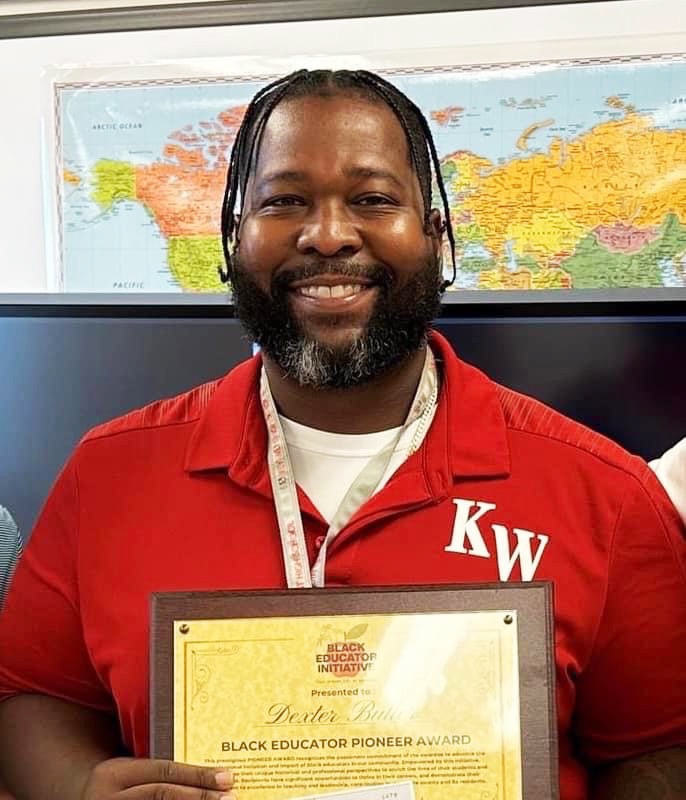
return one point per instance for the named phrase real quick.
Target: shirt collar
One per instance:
(231, 425)
(469, 418)
(468, 437)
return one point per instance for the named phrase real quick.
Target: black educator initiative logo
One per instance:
(343, 653)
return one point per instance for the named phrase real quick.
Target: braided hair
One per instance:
(324, 83)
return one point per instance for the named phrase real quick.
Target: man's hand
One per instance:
(655, 776)
(77, 748)
(156, 779)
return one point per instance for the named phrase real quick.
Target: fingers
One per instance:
(167, 791)
(127, 773)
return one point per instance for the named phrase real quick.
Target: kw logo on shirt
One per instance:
(468, 539)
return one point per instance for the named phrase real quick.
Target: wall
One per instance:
(604, 28)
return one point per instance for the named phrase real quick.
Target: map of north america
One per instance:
(558, 176)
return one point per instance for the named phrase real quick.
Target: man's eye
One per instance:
(283, 201)
(374, 200)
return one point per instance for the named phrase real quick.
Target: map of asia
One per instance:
(559, 175)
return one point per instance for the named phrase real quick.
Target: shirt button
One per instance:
(319, 541)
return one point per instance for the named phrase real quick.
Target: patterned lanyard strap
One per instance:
(297, 566)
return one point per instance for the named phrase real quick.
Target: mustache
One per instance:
(375, 273)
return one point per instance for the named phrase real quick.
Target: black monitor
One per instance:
(621, 374)
(619, 369)
(62, 374)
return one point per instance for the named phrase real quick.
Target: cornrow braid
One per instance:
(261, 106)
(303, 83)
(390, 94)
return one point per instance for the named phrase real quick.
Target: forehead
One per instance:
(334, 129)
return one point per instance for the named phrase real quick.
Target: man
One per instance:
(335, 257)
(671, 470)
(10, 550)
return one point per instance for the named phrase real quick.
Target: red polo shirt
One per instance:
(176, 496)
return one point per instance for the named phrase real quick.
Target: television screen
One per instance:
(622, 376)
(62, 374)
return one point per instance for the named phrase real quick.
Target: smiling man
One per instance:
(356, 450)
(328, 275)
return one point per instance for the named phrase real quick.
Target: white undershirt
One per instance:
(326, 464)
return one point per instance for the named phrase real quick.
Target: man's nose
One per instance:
(329, 231)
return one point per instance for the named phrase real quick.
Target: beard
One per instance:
(397, 327)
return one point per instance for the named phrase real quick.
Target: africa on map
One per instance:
(559, 175)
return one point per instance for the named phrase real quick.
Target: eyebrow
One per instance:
(281, 175)
(370, 172)
(296, 176)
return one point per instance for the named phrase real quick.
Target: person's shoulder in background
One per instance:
(10, 550)
(671, 470)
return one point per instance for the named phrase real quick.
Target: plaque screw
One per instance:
(183, 628)
(509, 619)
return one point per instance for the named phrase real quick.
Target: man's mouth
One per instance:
(331, 287)
(330, 292)
(338, 290)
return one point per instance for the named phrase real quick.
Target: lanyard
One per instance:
(297, 566)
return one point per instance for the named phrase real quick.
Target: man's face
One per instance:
(336, 274)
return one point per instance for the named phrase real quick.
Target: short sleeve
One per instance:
(42, 648)
(671, 471)
(632, 696)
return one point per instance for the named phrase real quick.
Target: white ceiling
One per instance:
(8, 7)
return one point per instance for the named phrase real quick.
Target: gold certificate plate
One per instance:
(312, 692)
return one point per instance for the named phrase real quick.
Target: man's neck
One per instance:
(377, 405)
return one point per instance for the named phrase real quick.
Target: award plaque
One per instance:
(423, 693)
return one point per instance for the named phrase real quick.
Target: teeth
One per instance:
(339, 290)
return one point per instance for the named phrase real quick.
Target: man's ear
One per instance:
(435, 228)
(236, 232)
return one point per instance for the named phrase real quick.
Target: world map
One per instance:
(559, 175)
